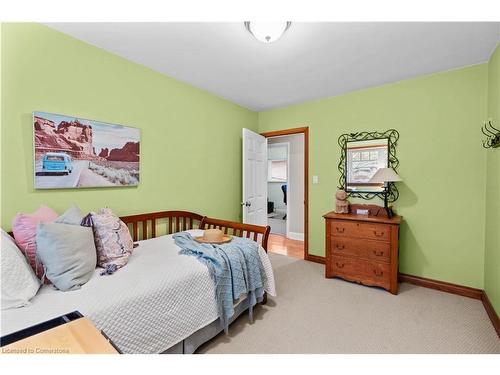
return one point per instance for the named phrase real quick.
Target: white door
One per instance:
(254, 178)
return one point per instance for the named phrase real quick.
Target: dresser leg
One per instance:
(328, 272)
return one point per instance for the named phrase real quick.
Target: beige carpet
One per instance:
(312, 314)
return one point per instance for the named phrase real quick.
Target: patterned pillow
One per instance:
(24, 229)
(112, 239)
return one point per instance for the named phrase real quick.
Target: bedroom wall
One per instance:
(183, 129)
(492, 248)
(442, 164)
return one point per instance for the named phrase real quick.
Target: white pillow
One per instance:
(19, 283)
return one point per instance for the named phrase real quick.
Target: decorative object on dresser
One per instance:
(341, 203)
(386, 176)
(363, 248)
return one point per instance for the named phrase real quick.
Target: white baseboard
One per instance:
(295, 236)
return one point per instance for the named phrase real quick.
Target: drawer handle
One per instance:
(339, 265)
(378, 253)
(339, 246)
(378, 234)
(340, 230)
(378, 272)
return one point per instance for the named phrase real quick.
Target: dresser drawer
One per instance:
(361, 248)
(360, 270)
(344, 228)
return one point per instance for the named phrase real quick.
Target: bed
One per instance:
(161, 301)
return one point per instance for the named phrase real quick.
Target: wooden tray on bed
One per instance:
(67, 334)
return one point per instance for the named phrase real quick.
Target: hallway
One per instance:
(281, 245)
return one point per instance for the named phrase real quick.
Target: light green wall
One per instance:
(184, 130)
(492, 249)
(441, 159)
(191, 140)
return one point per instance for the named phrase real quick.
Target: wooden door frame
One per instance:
(302, 130)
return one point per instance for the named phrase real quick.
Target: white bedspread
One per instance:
(158, 299)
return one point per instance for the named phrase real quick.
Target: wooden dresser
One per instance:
(363, 248)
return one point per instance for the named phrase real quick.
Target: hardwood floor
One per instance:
(281, 245)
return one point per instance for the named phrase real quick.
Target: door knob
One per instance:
(247, 204)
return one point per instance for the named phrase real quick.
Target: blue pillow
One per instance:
(72, 215)
(67, 252)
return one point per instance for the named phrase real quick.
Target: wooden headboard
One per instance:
(145, 226)
(255, 232)
(154, 224)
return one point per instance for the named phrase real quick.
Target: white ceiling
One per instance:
(311, 61)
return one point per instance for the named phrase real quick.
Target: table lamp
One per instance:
(385, 176)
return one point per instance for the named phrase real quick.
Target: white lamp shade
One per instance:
(267, 32)
(385, 175)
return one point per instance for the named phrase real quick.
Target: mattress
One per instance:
(157, 300)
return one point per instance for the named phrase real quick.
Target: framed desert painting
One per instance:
(72, 152)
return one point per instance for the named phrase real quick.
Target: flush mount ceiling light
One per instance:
(267, 32)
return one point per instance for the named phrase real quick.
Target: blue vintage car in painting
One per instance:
(57, 162)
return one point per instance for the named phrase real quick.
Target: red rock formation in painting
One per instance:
(104, 153)
(78, 133)
(73, 138)
(44, 125)
(129, 152)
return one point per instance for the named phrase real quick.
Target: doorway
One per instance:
(295, 241)
(287, 191)
(278, 183)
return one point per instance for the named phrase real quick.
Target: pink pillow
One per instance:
(24, 229)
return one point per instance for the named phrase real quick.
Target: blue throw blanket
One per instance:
(235, 268)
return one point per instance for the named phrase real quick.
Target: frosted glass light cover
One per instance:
(267, 32)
